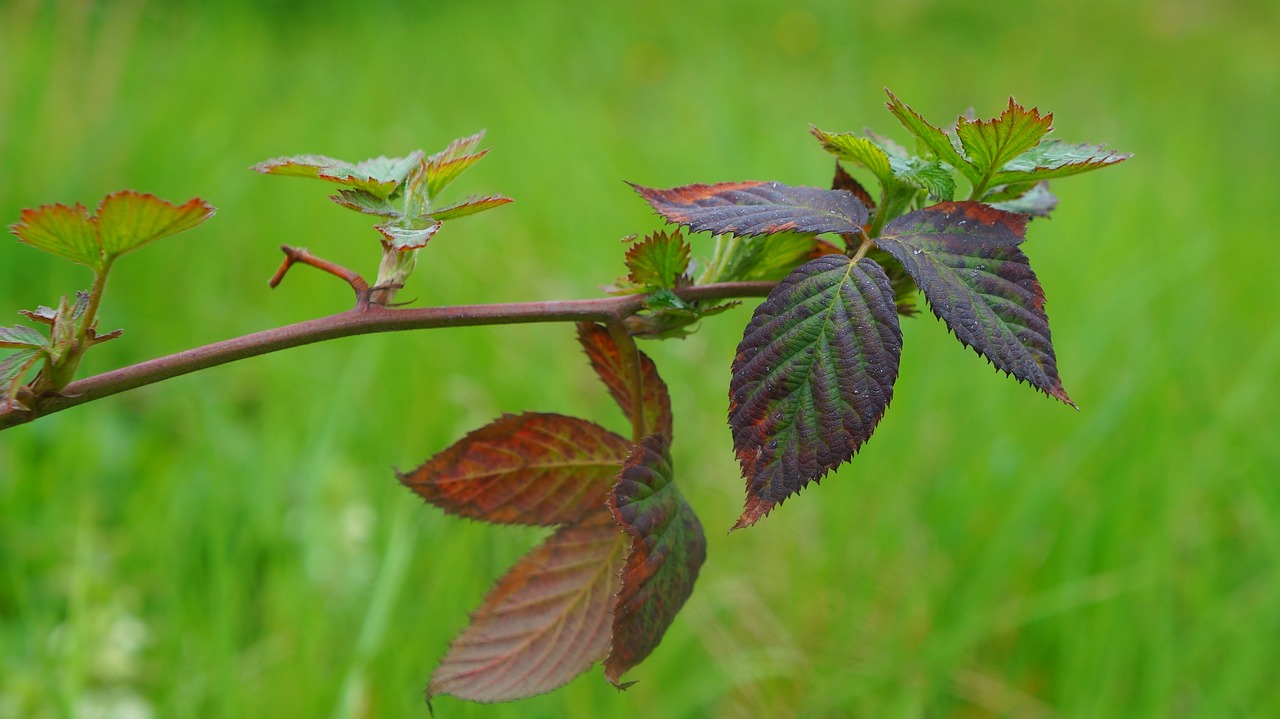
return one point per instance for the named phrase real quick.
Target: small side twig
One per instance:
(300, 255)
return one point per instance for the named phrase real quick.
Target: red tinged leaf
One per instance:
(607, 360)
(544, 623)
(67, 232)
(667, 550)
(813, 376)
(989, 144)
(533, 469)
(965, 258)
(659, 260)
(844, 181)
(469, 206)
(757, 208)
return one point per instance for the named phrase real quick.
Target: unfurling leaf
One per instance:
(607, 360)
(123, 222)
(409, 233)
(757, 208)
(660, 260)
(813, 376)
(666, 552)
(966, 260)
(544, 623)
(533, 469)
(380, 176)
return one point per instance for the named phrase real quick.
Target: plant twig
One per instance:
(364, 319)
(301, 255)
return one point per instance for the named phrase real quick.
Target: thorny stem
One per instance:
(631, 361)
(363, 319)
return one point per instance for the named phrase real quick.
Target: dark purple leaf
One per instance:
(758, 208)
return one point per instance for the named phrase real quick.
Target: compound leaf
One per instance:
(1054, 159)
(469, 206)
(532, 469)
(666, 552)
(21, 337)
(67, 232)
(544, 623)
(989, 144)
(128, 220)
(812, 377)
(608, 362)
(757, 208)
(660, 260)
(965, 258)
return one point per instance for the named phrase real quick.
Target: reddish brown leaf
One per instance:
(844, 181)
(607, 360)
(667, 550)
(757, 208)
(535, 469)
(544, 623)
(966, 260)
(813, 376)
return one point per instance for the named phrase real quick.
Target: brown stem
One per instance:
(364, 319)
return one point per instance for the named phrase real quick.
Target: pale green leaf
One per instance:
(67, 232)
(128, 220)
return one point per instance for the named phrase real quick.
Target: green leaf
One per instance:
(763, 258)
(124, 222)
(129, 220)
(409, 233)
(14, 367)
(859, 150)
(21, 337)
(1037, 201)
(365, 202)
(666, 553)
(932, 138)
(544, 623)
(989, 144)
(1054, 159)
(757, 208)
(379, 176)
(444, 167)
(812, 377)
(67, 232)
(659, 260)
(469, 206)
(533, 469)
(607, 360)
(966, 260)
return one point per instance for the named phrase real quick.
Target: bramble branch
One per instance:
(367, 319)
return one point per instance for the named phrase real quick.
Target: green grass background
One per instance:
(234, 543)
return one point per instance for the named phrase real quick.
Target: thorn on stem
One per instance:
(296, 255)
